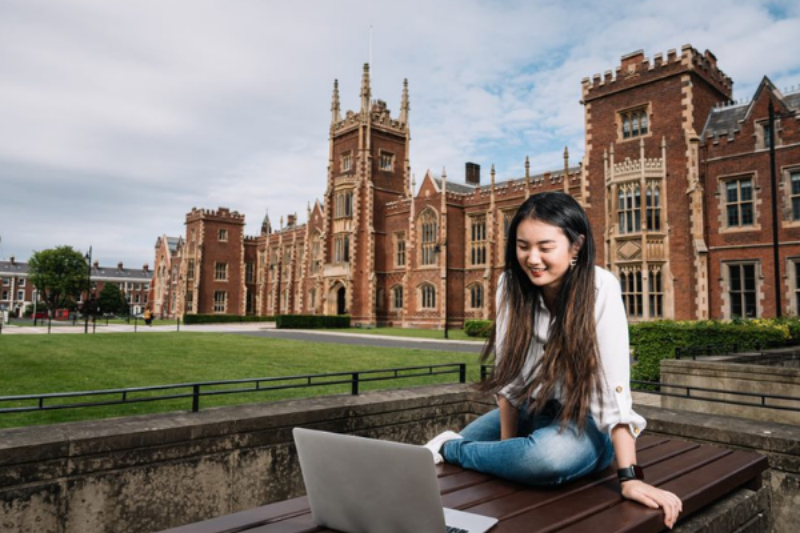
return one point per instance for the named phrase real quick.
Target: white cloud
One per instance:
(119, 117)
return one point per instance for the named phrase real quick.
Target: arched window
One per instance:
(397, 297)
(631, 285)
(476, 296)
(427, 297)
(653, 208)
(428, 233)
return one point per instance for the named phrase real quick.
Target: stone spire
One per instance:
(404, 107)
(366, 93)
(527, 177)
(266, 226)
(566, 169)
(336, 115)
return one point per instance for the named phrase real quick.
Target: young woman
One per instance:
(562, 374)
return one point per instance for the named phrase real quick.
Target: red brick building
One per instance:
(675, 180)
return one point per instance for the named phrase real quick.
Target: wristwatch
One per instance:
(629, 473)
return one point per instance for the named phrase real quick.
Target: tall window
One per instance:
(400, 249)
(767, 133)
(655, 294)
(634, 122)
(347, 161)
(386, 161)
(222, 235)
(742, 278)
(249, 272)
(312, 299)
(477, 243)
(794, 178)
(273, 263)
(428, 296)
(221, 271)
(287, 261)
(476, 296)
(379, 300)
(631, 285)
(341, 249)
(653, 208)
(20, 282)
(344, 204)
(220, 301)
(797, 285)
(397, 297)
(5, 296)
(629, 202)
(190, 269)
(429, 229)
(316, 254)
(739, 202)
(189, 301)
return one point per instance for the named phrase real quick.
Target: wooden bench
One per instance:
(698, 474)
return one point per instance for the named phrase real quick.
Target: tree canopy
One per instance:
(59, 274)
(111, 300)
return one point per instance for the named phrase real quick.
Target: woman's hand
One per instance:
(654, 498)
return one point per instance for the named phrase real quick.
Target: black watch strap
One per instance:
(630, 472)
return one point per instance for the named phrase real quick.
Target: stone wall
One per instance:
(149, 473)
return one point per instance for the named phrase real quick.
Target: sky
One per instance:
(118, 117)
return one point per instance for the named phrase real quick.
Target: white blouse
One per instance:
(612, 343)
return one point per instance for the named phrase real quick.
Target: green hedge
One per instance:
(218, 319)
(654, 341)
(312, 321)
(478, 328)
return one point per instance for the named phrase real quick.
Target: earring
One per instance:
(573, 262)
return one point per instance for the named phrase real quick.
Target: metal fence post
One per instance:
(354, 384)
(179, 323)
(462, 372)
(195, 398)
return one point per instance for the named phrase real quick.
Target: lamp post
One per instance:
(774, 196)
(88, 257)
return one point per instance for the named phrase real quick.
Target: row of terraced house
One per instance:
(677, 180)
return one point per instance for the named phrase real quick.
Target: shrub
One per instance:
(654, 341)
(220, 319)
(478, 328)
(312, 321)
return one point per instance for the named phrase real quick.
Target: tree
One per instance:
(59, 274)
(111, 300)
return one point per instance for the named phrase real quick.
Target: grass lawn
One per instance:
(59, 363)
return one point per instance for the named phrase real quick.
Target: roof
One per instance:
(100, 272)
(725, 120)
(465, 188)
(7, 267)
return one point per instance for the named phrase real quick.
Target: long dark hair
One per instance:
(571, 358)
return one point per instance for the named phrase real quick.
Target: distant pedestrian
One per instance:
(148, 316)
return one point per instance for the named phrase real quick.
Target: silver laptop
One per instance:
(359, 485)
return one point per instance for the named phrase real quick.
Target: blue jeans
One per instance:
(542, 454)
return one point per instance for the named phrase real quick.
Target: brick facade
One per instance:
(664, 156)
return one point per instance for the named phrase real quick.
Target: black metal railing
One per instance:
(704, 349)
(655, 387)
(690, 393)
(195, 391)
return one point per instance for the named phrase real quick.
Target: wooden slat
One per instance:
(235, 522)
(696, 489)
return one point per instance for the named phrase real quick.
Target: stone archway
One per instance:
(341, 300)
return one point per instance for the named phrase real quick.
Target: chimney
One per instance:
(290, 221)
(119, 265)
(13, 260)
(473, 174)
(96, 264)
(146, 267)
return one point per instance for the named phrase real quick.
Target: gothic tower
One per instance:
(368, 167)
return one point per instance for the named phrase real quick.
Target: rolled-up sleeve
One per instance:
(616, 406)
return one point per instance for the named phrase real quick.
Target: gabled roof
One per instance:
(726, 120)
(453, 186)
(9, 268)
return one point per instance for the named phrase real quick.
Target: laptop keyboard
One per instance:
(451, 529)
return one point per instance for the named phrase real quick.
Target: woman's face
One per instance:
(544, 253)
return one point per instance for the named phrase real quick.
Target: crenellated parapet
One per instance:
(222, 214)
(636, 69)
(634, 168)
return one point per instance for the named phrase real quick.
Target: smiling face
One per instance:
(544, 253)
